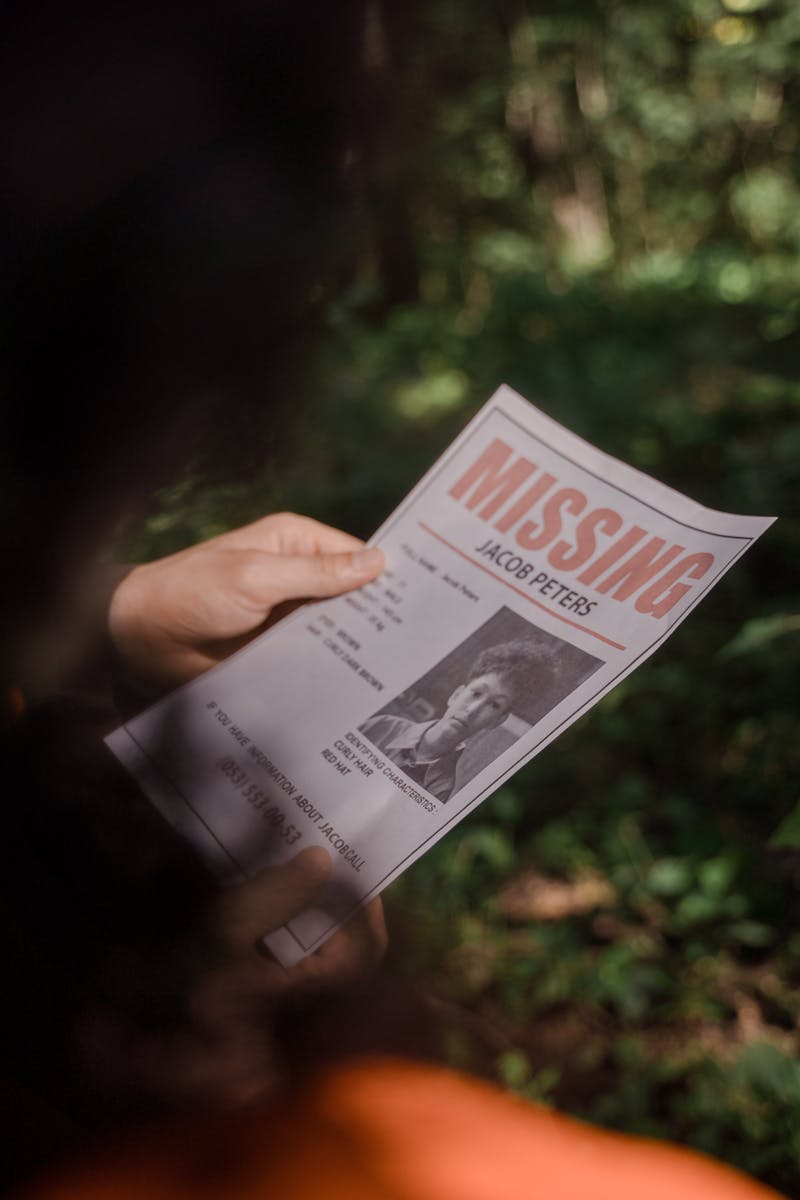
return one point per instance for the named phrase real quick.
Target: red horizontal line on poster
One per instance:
(525, 596)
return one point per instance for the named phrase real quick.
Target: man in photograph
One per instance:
(429, 751)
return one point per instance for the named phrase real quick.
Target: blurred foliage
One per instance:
(599, 204)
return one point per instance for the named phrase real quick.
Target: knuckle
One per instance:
(330, 566)
(248, 572)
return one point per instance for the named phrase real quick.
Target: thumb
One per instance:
(273, 578)
(249, 910)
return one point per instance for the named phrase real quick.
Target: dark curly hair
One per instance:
(521, 662)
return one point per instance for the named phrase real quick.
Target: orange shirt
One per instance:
(391, 1130)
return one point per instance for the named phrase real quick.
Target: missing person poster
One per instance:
(528, 573)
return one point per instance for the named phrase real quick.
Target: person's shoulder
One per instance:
(385, 727)
(383, 722)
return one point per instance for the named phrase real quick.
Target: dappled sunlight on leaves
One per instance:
(532, 896)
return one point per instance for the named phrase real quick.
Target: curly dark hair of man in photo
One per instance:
(523, 664)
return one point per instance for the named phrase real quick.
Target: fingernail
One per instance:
(368, 560)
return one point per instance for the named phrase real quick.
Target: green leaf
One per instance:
(751, 933)
(756, 634)
(514, 1069)
(697, 906)
(670, 876)
(716, 875)
(767, 1070)
(788, 832)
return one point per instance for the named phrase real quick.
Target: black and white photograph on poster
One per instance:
(481, 698)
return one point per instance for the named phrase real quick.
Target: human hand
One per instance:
(174, 618)
(227, 1002)
(225, 1053)
(246, 912)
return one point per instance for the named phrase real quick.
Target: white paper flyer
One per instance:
(528, 573)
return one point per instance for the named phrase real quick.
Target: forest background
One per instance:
(599, 204)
